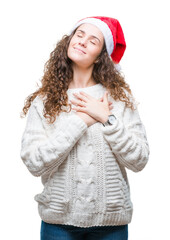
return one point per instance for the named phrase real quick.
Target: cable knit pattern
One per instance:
(83, 169)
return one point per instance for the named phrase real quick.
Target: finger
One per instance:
(86, 95)
(101, 99)
(76, 102)
(80, 96)
(79, 109)
(105, 97)
(110, 107)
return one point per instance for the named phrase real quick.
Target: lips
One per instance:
(79, 50)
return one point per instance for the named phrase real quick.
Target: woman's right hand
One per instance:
(88, 119)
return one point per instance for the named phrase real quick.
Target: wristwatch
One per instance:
(110, 121)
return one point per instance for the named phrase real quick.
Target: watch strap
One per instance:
(107, 123)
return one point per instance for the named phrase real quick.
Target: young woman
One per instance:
(78, 142)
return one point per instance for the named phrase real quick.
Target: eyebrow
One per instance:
(90, 35)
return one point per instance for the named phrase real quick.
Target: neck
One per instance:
(82, 77)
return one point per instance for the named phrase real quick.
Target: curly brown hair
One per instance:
(58, 74)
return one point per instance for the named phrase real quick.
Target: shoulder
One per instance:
(37, 106)
(38, 102)
(120, 108)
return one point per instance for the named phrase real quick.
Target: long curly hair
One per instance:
(58, 74)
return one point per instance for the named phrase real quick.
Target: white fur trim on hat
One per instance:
(103, 28)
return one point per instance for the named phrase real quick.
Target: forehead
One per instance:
(91, 29)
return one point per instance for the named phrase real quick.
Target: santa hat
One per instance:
(112, 32)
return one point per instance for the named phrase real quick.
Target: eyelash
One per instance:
(81, 37)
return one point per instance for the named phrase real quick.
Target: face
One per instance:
(85, 45)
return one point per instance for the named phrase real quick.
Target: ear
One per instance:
(96, 61)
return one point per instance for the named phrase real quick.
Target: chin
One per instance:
(79, 60)
(76, 60)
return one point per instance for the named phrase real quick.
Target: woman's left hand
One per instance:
(99, 110)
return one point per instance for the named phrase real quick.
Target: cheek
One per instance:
(71, 44)
(95, 52)
(72, 41)
(69, 48)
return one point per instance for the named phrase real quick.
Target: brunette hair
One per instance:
(58, 74)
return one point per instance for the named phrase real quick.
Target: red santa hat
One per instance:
(112, 32)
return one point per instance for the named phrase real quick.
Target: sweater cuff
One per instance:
(72, 129)
(109, 129)
(76, 125)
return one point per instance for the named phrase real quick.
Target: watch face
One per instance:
(112, 119)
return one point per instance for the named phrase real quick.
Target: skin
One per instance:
(84, 49)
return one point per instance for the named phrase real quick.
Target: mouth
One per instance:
(78, 49)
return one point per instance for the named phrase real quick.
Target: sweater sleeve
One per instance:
(41, 153)
(128, 141)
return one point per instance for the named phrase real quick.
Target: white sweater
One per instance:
(83, 168)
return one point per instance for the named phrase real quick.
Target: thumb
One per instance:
(105, 97)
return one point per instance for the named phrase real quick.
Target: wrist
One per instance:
(105, 117)
(111, 120)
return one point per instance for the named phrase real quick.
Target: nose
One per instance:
(83, 42)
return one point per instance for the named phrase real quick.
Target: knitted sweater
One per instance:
(83, 169)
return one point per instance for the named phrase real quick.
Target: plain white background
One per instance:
(29, 32)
